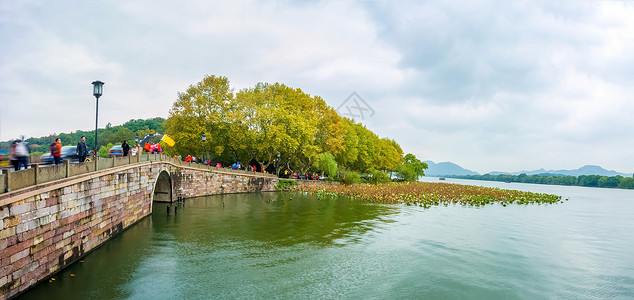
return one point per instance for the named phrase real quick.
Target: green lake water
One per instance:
(290, 246)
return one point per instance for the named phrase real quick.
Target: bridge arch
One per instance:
(162, 187)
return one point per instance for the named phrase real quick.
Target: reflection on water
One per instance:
(270, 220)
(220, 242)
(282, 245)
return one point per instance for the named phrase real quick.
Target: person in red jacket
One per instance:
(56, 151)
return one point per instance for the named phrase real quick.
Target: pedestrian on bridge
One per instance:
(13, 155)
(56, 151)
(82, 150)
(22, 154)
(135, 149)
(125, 147)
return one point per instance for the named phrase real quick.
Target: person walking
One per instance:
(135, 149)
(22, 154)
(125, 147)
(56, 151)
(82, 150)
(13, 155)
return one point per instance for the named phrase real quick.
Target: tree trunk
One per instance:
(288, 166)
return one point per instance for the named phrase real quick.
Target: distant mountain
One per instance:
(585, 170)
(446, 169)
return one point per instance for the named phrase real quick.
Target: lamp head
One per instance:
(97, 88)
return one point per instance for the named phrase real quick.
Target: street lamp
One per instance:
(204, 139)
(97, 91)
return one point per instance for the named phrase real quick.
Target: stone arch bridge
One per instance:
(52, 216)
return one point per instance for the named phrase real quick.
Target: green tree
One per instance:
(627, 183)
(350, 144)
(589, 180)
(103, 151)
(366, 147)
(609, 182)
(327, 164)
(387, 156)
(255, 124)
(199, 110)
(116, 135)
(378, 176)
(411, 168)
(155, 124)
(350, 177)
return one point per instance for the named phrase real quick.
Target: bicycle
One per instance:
(88, 158)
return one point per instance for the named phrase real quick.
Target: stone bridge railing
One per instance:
(12, 181)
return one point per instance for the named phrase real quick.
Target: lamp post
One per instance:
(97, 91)
(204, 139)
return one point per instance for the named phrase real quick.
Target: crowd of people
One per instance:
(251, 168)
(19, 157)
(19, 152)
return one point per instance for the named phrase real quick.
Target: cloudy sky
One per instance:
(507, 85)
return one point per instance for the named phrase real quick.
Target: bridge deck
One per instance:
(21, 184)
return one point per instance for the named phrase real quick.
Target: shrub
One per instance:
(103, 151)
(350, 177)
(378, 176)
(286, 184)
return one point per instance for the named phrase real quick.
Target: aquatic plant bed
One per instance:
(427, 193)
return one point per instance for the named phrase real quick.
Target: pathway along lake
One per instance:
(261, 246)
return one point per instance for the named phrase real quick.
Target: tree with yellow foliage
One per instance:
(257, 124)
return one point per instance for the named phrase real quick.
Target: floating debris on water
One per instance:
(427, 194)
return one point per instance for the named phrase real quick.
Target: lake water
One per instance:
(287, 246)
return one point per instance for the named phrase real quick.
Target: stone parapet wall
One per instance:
(11, 181)
(37, 174)
(49, 225)
(194, 183)
(45, 232)
(3, 183)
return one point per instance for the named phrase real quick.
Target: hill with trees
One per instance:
(617, 181)
(585, 170)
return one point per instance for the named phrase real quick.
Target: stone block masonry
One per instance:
(194, 182)
(46, 227)
(45, 232)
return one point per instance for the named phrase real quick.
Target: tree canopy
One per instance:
(255, 124)
(411, 169)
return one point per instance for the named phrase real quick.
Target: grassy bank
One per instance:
(427, 193)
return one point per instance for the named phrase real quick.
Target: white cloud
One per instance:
(505, 86)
